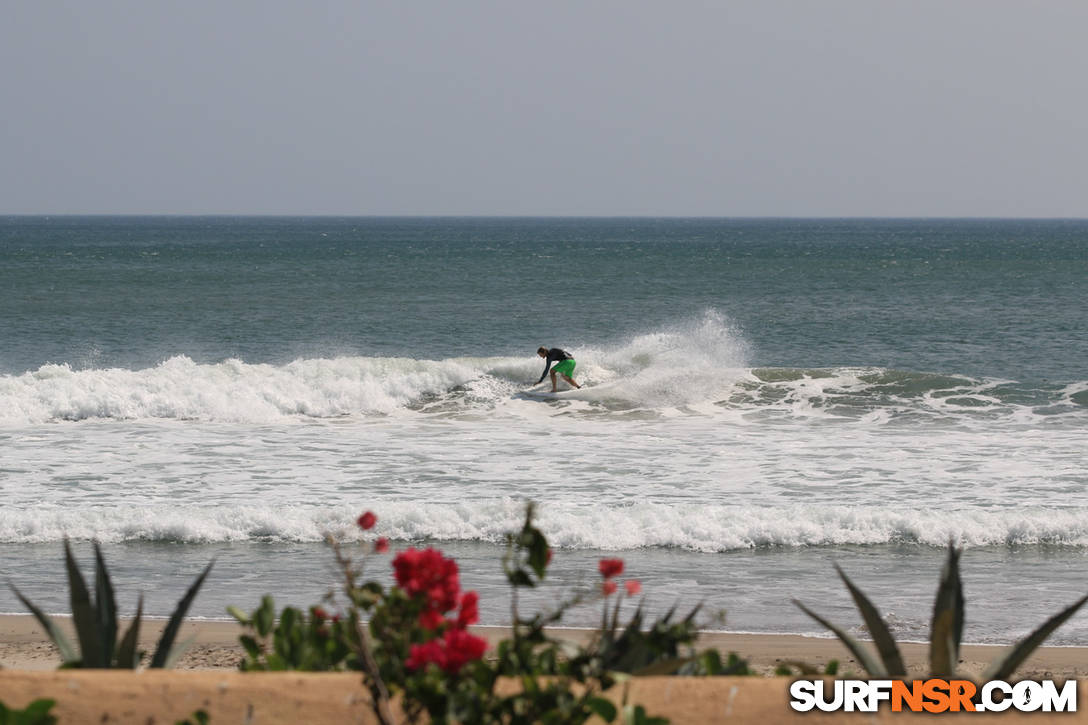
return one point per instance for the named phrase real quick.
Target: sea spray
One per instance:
(676, 365)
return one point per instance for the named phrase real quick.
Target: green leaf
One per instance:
(127, 656)
(602, 707)
(37, 712)
(736, 666)
(1005, 665)
(711, 660)
(520, 578)
(238, 614)
(177, 651)
(252, 648)
(636, 715)
(162, 651)
(265, 616)
(84, 616)
(882, 637)
(289, 617)
(199, 717)
(67, 652)
(538, 553)
(873, 667)
(946, 628)
(105, 606)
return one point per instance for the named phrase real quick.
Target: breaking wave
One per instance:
(702, 367)
(693, 527)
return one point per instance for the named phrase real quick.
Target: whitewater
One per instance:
(673, 442)
(725, 470)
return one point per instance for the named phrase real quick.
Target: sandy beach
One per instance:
(207, 680)
(213, 645)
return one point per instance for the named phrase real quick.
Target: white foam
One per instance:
(231, 391)
(698, 367)
(687, 526)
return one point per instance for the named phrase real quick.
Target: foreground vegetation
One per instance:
(415, 642)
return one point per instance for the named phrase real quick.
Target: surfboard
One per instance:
(541, 394)
(545, 394)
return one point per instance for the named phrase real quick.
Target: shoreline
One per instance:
(214, 646)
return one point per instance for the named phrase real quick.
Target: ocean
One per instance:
(764, 398)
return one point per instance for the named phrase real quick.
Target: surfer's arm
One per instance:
(547, 367)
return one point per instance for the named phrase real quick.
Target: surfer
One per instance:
(564, 365)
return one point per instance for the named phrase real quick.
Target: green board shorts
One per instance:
(564, 367)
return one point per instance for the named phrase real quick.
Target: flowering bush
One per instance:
(319, 642)
(415, 641)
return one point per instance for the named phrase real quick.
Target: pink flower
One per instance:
(633, 587)
(423, 654)
(430, 619)
(320, 614)
(548, 561)
(610, 567)
(609, 587)
(381, 545)
(462, 648)
(428, 576)
(470, 613)
(367, 520)
(429, 573)
(451, 652)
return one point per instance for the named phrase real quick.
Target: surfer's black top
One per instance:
(554, 355)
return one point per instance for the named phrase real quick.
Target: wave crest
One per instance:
(699, 366)
(691, 527)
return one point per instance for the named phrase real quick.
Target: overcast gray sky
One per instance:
(595, 107)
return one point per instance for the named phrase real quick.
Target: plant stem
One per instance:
(378, 691)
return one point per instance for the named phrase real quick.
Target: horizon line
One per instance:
(767, 217)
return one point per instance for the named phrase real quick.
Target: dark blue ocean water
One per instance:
(974, 297)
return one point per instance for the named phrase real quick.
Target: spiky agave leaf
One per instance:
(166, 642)
(1005, 665)
(67, 652)
(178, 650)
(105, 607)
(946, 627)
(84, 614)
(127, 656)
(872, 666)
(882, 637)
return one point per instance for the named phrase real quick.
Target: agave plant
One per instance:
(96, 621)
(946, 631)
